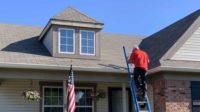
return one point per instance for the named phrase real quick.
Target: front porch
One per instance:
(53, 98)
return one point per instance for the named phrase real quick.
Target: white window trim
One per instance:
(62, 88)
(43, 97)
(81, 45)
(59, 41)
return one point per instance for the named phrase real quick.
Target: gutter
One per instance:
(180, 69)
(59, 67)
(173, 69)
(94, 69)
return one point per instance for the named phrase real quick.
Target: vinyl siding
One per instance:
(190, 50)
(48, 41)
(11, 99)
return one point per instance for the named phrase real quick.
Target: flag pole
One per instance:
(65, 90)
(65, 94)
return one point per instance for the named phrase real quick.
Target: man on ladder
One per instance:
(140, 59)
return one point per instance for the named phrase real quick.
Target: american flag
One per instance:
(71, 92)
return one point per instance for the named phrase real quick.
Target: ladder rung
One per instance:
(142, 102)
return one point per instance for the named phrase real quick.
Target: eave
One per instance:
(60, 68)
(173, 69)
(69, 23)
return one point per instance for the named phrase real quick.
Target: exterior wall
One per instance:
(48, 41)
(191, 49)
(172, 96)
(11, 99)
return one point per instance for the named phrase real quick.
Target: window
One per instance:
(66, 41)
(87, 42)
(52, 99)
(84, 102)
(195, 91)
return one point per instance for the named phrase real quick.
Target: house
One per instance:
(39, 58)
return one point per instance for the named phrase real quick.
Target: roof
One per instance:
(20, 45)
(71, 17)
(71, 14)
(163, 44)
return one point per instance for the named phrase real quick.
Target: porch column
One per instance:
(64, 95)
(124, 97)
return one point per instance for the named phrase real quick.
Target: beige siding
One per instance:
(11, 99)
(48, 41)
(191, 49)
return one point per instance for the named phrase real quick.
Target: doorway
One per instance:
(115, 100)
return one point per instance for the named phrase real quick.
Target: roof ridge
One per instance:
(160, 43)
(188, 15)
(181, 41)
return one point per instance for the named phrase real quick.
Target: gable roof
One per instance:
(19, 46)
(71, 17)
(71, 14)
(163, 44)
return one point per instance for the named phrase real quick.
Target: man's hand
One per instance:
(130, 61)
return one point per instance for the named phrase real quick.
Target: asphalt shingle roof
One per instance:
(71, 14)
(158, 44)
(19, 44)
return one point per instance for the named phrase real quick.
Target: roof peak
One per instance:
(162, 44)
(72, 14)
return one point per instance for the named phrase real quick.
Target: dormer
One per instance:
(72, 34)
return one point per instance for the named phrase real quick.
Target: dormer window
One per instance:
(87, 42)
(66, 41)
(68, 35)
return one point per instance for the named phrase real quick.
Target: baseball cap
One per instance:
(135, 47)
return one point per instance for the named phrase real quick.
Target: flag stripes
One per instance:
(71, 92)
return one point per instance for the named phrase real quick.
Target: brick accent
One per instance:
(172, 96)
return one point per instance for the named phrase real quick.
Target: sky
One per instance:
(133, 17)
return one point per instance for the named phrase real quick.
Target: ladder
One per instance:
(135, 99)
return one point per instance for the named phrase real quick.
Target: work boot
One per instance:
(143, 95)
(143, 105)
(139, 97)
(143, 98)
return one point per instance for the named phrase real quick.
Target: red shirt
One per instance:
(140, 59)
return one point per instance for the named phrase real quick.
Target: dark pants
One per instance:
(140, 84)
